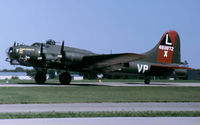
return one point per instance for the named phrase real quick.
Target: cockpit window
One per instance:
(36, 44)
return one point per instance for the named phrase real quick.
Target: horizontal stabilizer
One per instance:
(171, 67)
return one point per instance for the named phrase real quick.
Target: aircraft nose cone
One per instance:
(10, 52)
(12, 56)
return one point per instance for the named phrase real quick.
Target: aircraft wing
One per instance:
(110, 60)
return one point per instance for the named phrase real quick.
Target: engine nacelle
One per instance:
(73, 57)
(181, 73)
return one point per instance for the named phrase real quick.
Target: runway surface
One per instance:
(106, 121)
(99, 107)
(77, 84)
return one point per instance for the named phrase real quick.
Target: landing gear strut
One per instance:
(40, 77)
(65, 78)
(147, 81)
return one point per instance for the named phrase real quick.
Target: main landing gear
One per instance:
(64, 78)
(147, 81)
(40, 77)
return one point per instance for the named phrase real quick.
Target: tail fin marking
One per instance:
(167, 50)
(166, 47)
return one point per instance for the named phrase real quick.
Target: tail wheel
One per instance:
(40, 77)
(65, 78)
(147, 81)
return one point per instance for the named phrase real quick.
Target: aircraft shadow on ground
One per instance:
(151, 84)
(58, 84)
(87, 85)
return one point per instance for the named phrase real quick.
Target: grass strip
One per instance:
(96, 94)
(100, 114)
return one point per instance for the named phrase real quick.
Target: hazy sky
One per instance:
(101, 25)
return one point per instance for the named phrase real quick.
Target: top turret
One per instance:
(51, 42)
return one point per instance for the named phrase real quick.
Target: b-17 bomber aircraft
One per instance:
(163, 59)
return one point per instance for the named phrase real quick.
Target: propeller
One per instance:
(46, 57)
(41, 50)
(14, 43)
(62, 47)
(62, 52)
(42, 55)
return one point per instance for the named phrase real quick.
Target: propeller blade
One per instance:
(62, 47)
(62, 52)
(41, 50)
(14, 43)
(42, 55)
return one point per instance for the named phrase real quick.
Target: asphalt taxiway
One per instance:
(99, 107)
(76, 84)
(106, 121)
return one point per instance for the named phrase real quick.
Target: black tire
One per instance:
(65, 78)
(147, 81)
(40, 77)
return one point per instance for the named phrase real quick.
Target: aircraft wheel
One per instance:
(65, 78)
(40, 77)
(147, 81)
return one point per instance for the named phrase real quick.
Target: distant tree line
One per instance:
(17, 69)
(31, 72)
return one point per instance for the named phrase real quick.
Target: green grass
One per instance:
(86, 94)
(99, 114)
